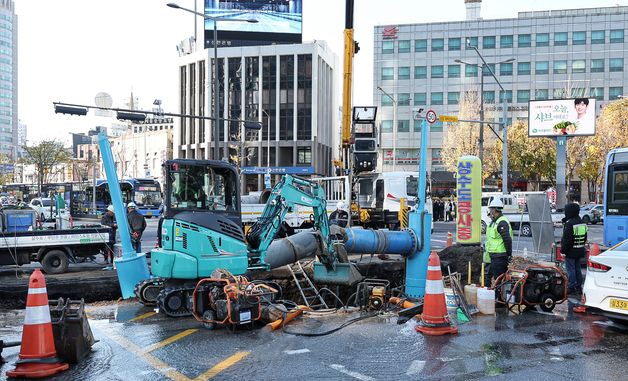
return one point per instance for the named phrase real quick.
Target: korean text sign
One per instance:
(469, 191)
(571, 117)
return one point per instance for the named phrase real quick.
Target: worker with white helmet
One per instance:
(137, 225)
(340, 216)
(498, 248)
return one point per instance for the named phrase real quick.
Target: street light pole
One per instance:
(394, 126)
(215, 82)
(267, 137)
(481, 139)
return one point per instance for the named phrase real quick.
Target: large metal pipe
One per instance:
(367, 241)
(294, 248)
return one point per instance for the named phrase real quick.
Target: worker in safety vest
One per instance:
(498, 247)
(572, 246)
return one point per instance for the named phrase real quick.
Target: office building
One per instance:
(8, 80)
(551, 54)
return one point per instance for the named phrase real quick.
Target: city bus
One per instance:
(616, 196)
(145, 193)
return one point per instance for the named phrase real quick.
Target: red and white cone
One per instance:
(38, 355)
(434, 319)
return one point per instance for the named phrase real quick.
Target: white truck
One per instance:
(514, 210)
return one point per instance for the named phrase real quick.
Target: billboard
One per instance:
(556, 117)
(278, 21)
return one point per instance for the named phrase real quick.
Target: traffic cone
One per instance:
(38, 356)
(435, 320)
(450, 239)
(595, 250)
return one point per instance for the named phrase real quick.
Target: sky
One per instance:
(70, 50)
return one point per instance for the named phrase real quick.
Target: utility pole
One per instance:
(481, 139)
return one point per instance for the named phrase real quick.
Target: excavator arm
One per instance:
(288, 193)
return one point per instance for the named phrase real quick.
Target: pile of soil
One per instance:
(457, 257)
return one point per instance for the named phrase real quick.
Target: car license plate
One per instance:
(149, 213)
(619, 304)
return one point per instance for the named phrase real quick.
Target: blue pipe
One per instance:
(367, 241)
(132, 267)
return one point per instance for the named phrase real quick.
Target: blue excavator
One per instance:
(201, 231)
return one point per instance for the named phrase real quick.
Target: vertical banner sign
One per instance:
(469, 191)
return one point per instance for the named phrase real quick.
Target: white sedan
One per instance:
(606, 285)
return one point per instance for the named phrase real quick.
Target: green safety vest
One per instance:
(579, 231)
(494, 241)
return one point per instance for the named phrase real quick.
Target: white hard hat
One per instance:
(496, 203)
(110, 208)
(131, 205)
(341, 205)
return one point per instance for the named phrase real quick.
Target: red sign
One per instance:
(390, 32)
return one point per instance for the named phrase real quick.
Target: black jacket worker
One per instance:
(572, 246)
(137, 225)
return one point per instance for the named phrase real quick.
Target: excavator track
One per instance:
(176, 301)
(147, 291)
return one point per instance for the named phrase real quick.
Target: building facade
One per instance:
(8, 80)
(288, 88)
(538, 55)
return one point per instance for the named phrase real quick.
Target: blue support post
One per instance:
(421, 223)
(132, 267)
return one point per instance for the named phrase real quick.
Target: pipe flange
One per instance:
(415, 241)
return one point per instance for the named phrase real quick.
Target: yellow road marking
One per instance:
(170, 340)
(222, 365)
(144, 316)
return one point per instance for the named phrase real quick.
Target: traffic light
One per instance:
(70, 110)
(132, 116)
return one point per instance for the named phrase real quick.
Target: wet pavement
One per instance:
(137, 344)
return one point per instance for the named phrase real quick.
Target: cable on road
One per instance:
(343, 325)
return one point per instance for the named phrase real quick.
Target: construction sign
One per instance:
(469, 191)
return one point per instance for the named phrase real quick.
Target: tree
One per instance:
(534, 158)
(48, 157)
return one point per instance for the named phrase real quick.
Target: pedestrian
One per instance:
(340, 216)
(572, 246)
(109, 219)
(137, 225)
(447, 210)
(498, 248)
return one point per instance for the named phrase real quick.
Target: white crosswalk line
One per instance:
(356, 375)
(415, 368)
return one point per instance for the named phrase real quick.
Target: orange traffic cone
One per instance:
(38, 356)
(435, 320)
(595, 250)
(450, 239)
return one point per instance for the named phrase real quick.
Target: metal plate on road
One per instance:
(448, 118)
(430, 115)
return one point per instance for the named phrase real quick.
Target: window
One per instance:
(403, 99)
(437, 158)
(560, 67)
(388, 73)
(470, 71)
(420, 45)
(386, 100)
(617, 35)
(597, 65)
(416, 126)
(403, 126)
(438, 44)
(616, 64)
(471, 41)
(453, 71)
(404, 46)
(437, 126)
(453, 98)
(304, 155)
(615, 92)
(505, 41)
(403, 73)
(523, 96)
(420, 99)
(454, 43)
(437, 71)
(560, 38)
(437, 98)
(505, 95)
(388, 47)
(487, 73)
(505, 69)
(488, 42)
(524, 40)
(523, 68)
(489, 97)
(577, 92)
(578, 66)
(542, 67)
(420, 72)
(541, 94)
(386, 125)
(559, 94)
(597, 93)
(598, 36)
(579, 38)
(542, 39)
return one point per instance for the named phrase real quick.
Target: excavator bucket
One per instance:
(345, 274)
